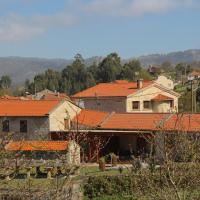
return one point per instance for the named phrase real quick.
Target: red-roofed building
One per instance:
(125, 132)
(194, 75)
(35, 119)
(124, 96)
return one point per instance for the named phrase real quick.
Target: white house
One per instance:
(124, 96)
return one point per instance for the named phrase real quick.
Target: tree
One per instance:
(5, 82)
(166, 66)
(52, 79)
(110, 68)
(93, 69)
(75, 77)
(130, 70)
(181, 68)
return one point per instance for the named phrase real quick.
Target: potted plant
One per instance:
(102, 164)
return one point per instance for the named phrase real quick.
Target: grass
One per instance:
(116, 197)
(27, 183)
(94, 171)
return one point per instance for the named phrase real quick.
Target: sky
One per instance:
(62, 28)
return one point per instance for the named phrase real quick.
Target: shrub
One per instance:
(107, 185)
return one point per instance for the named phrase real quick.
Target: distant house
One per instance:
(48, 95)
(124, 96)
(36, 119)
(194, 75)
(68, 150)
(154, 70)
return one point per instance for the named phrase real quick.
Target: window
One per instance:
(5, 126)
(23, 126)
(135, 105)
(146, 104)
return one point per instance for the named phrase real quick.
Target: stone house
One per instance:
(132, 97)
(36, 119)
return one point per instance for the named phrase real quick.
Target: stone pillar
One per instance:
(7, 177)
(28, 172)
(49, 172)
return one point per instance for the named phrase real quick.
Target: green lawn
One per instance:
(94, 171)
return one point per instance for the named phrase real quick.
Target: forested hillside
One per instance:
(19, 68)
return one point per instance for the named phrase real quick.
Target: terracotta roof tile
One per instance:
(133, 121)
(90, 118)
(26, 108)
(161, 97)
(37, 146)
(120, 88)
(54, 96)
(153, 121)
(140, 121)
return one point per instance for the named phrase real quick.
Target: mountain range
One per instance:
(20, 68)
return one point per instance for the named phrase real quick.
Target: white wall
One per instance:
(163, 80)
(147, 95)
(65, 110)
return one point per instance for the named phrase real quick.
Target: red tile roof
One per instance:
(120, 88)
(140, 121)
(54, 96)
(153, 121)
(26, 108)
(90, 118)
(161, 97)
(37, 146)
(194, 73)
(132, 121)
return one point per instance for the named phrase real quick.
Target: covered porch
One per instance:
(124, 144)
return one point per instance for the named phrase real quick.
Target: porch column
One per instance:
(159, 146)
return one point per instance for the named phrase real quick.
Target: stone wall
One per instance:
(117, 104)
(37, 127)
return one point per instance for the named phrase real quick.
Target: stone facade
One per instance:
(117, 104)
(38, 128)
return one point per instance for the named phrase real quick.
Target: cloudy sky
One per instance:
(62, 28)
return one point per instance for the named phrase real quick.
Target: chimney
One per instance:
(139, 83)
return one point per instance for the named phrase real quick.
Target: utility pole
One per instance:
(192, 98)
(193, 94)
